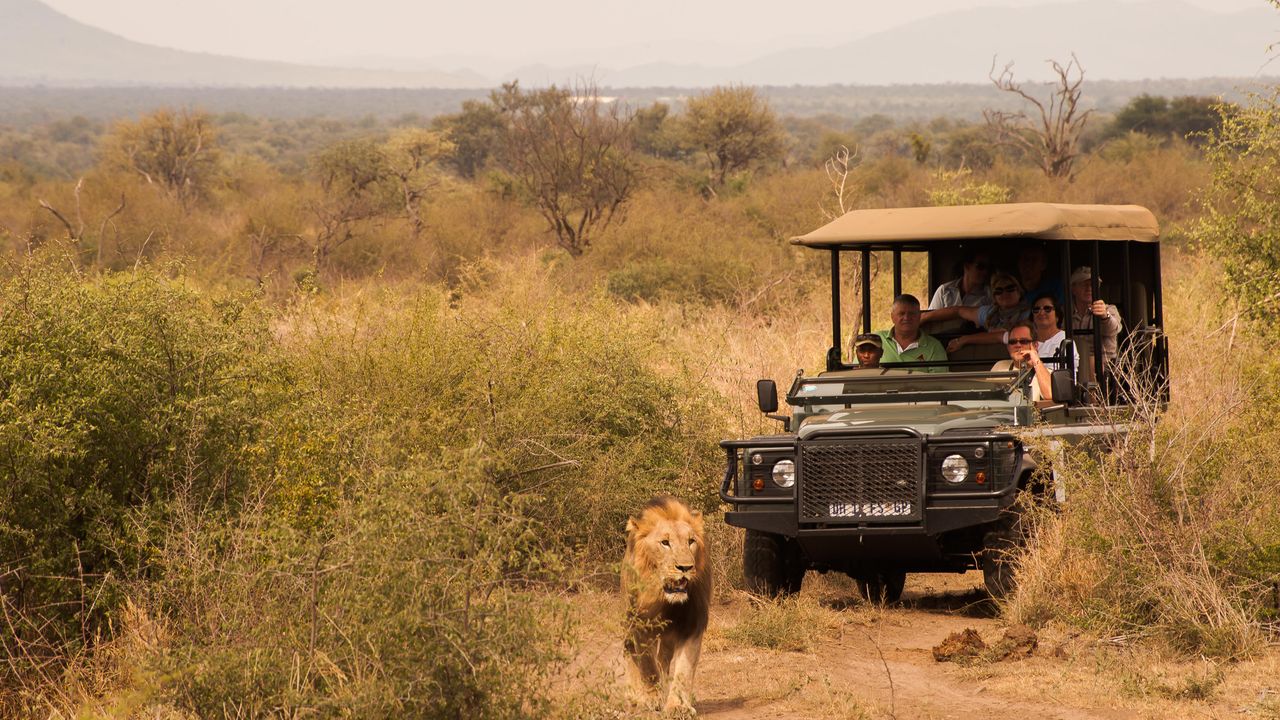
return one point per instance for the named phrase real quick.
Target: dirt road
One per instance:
(851, 660)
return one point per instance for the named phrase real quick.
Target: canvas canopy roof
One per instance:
(1040, 221)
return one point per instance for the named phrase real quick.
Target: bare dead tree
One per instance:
(75, 231)
(1052, 136)
(839, 167)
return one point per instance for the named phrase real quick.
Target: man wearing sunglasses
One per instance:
(1024, 351)
(968, 289)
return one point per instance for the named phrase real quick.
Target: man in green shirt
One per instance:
(904, 342)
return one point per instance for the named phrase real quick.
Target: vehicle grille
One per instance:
(875, 480)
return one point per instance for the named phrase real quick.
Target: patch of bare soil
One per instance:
(868, 662)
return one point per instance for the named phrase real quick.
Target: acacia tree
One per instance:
(355, 186)
(412, 156)
(474, 133)
(569, 154)
(1051, 134)
(733, 128)
(176, 152)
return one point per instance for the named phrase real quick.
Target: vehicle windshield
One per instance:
(869, 386)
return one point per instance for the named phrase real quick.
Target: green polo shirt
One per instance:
(926, 348)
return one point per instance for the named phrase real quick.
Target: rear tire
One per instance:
(881, 588)
(772, 564)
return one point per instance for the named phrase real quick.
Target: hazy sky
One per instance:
(479, 32)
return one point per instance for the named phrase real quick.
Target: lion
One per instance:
(668, 587)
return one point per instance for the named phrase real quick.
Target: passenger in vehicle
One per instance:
(992, 319)
(1046, 318)
(1084, 309)
(868, 348)
(1024, 352)
(971, 287)
(1032, 262)
(905, 342)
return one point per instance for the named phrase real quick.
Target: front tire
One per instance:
(772, 564)
(999, 551)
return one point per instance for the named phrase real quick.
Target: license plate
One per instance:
(893, 509)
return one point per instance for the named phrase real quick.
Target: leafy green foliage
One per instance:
(119, 391)
(418, 595)
(474, 132)
(1241, 224)
(177, 152)
(1188, 117)
(569, 155)
(734, 129)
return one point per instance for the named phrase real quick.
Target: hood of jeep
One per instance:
(927, 419)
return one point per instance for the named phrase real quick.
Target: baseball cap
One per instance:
(1082, 274)
(868, 339)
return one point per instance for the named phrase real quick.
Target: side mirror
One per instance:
(767, 396)
(1064, 388)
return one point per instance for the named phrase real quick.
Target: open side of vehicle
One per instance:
(919, 466)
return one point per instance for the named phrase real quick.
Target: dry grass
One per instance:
(1172, 534)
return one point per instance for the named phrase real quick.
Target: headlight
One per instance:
(784, 473)
(954, 468)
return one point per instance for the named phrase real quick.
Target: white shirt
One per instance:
(1050, 348)
(950, 294)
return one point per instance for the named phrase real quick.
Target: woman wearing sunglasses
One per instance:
(1046, 317)
(993, 319)
(1024, 351)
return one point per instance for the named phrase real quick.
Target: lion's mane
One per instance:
(668, 605)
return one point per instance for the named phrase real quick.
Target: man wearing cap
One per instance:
(1084, 309)
(868, 347)
(904, 342)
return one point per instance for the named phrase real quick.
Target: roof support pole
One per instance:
(1097, 330)
(897, 272)
(834, 360)
(866, 291)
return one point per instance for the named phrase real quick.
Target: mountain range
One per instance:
(1112, 40)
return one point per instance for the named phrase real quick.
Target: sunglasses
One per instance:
(1005, 289)
(1041, 309)
(1014, 342)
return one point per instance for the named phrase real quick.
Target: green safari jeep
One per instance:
(918, 466)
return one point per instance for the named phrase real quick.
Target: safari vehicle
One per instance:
(917, 466)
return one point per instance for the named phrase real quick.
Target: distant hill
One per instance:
(1113, 40)
(40, 46)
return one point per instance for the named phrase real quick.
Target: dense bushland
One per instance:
(287, 497)
(326, 425)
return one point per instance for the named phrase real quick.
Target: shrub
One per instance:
(118, 391)
(1172, 531)
(417, 595)
(576, 399)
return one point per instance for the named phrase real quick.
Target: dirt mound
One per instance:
(962, 646)
(967, 645)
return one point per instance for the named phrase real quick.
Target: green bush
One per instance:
(418, 595)
(577, 400)
(117, 391)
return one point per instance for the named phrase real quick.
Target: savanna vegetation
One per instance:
(311, 417)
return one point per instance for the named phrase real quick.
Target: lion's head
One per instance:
(666, 555)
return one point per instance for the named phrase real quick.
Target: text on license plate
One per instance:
(891, 509)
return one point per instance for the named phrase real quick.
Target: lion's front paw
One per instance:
(681, 707)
